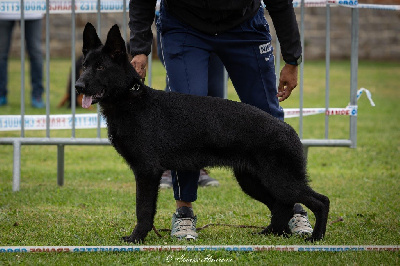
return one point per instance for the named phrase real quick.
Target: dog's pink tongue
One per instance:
(86, 101)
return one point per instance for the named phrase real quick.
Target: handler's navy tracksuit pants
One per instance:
(246, 52)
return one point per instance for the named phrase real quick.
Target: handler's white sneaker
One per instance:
(299, 224)
(184, 224)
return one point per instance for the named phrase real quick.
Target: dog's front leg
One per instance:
(146, 202)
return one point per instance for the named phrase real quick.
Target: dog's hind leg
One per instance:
(146, 202)
(319, 205)
(280, 216)
(254, 188)
(281, 213)
(300, 192)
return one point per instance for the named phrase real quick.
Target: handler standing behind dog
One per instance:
(238, 33)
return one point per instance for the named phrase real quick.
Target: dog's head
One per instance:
(105, 67)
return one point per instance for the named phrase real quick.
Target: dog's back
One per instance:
(193, 131)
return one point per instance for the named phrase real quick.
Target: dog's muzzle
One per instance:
(79, 86)
(87, 100)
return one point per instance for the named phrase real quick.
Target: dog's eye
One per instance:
(100, 67)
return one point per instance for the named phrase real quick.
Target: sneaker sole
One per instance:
(303, 233)
(188, 237)
(165, 186)
(210, 184)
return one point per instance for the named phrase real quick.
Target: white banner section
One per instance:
(38, 122)
(109, 6)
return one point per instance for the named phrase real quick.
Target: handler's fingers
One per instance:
(139, 62)
(284, 92)
(140, 69)
(287, 82)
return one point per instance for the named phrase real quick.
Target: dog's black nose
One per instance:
(79, 86)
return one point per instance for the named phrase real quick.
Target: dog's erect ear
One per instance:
(115, 44)
(90, 39)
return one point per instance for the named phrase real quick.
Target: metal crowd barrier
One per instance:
(326, 142)
(17, 142)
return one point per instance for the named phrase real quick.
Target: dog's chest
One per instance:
(123, 131)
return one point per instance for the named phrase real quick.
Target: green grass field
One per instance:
(96, 206)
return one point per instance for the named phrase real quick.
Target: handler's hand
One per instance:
(139, 62)
(287, 81)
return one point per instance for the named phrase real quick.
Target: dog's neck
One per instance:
(127, 99)
(126, 96)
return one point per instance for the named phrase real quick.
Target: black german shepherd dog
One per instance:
(155, 130)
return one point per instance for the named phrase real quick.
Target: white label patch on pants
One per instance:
(265, 48)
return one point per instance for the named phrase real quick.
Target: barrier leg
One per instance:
(354, 74)
(17, 166)
(305, 150)
(60, 164)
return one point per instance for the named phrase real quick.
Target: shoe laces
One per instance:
(183, 224)
(299, 221)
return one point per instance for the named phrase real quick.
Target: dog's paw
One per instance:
(133, 239)
(310, 239)
(269, 230)
(265, 232)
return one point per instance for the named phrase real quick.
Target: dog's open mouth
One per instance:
(88, 100)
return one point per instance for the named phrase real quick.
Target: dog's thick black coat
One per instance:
(156, 130)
